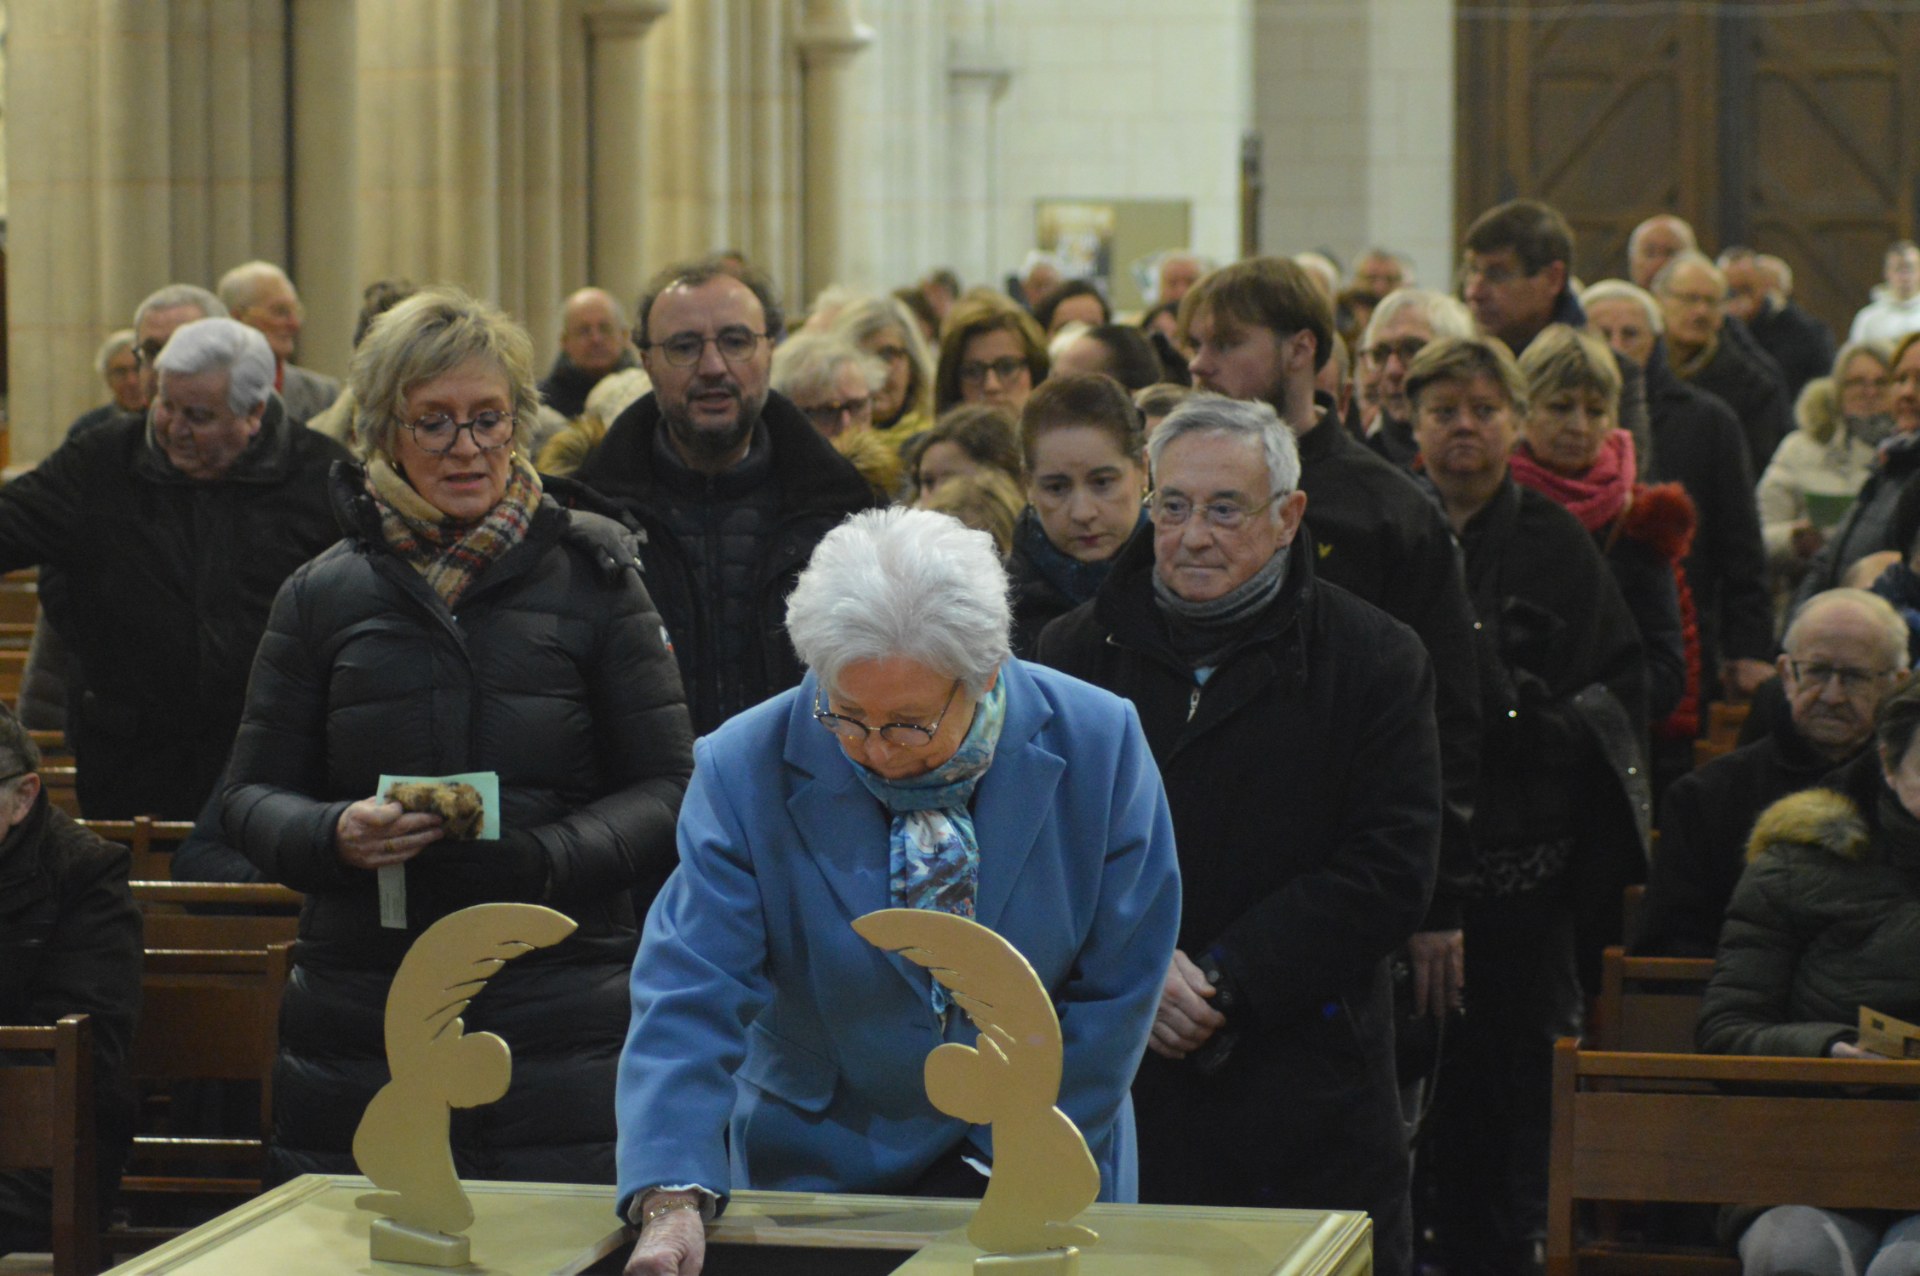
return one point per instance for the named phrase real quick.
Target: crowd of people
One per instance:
(1295, 672)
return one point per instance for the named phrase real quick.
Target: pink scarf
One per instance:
(1596, 497)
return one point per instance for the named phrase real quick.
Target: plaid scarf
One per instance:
(451, 554)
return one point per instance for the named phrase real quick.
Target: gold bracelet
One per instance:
(668, 1207)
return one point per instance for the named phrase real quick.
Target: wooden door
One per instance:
(1794, 132)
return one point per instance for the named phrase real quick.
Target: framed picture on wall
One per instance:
(1116, 243)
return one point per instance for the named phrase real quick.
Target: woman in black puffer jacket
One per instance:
(467, 622)
(1825, 920)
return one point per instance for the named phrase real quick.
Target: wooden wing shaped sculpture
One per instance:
(1043, 1175)
(401, 1143)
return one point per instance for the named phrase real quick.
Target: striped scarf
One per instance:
(451, 554)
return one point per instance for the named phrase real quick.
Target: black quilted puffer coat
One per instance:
(551, 670)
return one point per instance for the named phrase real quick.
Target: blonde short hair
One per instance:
(428, 335)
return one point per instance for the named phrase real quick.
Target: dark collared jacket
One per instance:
(814, 489)
(163, 592)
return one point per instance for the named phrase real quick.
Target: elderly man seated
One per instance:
(1846, 651)
(69, 944)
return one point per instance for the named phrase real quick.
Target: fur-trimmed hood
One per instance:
(1817, 818)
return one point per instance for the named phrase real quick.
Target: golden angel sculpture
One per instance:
(1043, 1175)
(402, 1141)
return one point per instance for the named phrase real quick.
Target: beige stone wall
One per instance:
(524, 148)
(1354, 105)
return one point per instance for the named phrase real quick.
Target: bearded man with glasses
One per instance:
(1845, 653)
(729, 481)
(1294, 728)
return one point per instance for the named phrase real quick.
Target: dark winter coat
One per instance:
(1304, 779)
(1826, 919)
(1868, 527)
(1697, 443)
(1753, 389)
(1800, 344)
(815, 488)
(552, 672)
(69, 945)
(1705, 821)
(1552, 623)
(1379, 535)
(1645, 547)
(566, 386)
(165, 583)
(1046, 582)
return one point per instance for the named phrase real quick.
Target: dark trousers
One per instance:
(1305, 1114)
(1488, 1152)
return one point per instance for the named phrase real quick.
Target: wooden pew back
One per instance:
(1665, 1127)
(1649, 1003)
(49, 1125)
(271, 914)
(151, 842)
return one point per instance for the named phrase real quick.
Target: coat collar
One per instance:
(267, 459)
(846, 831)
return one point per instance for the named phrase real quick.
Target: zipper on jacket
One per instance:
(1193, 704)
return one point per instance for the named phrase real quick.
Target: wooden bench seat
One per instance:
(49, 1125)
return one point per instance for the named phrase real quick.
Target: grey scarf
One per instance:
(1203, 633)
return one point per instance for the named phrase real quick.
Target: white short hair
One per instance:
(1621, 290)
(903, 583)
(1249, 420)
(115, 344)
(809, 363)
(174, 296)
(240, 287)
(1445, 315)
(1893, 630)
(1661, 282)
(223, 345)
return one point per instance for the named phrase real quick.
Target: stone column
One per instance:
(56, 298)
(429, 142)
(977, 77)
(838, 230)
(325, 260)
(616, 139)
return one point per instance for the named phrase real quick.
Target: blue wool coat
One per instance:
(759, 1014)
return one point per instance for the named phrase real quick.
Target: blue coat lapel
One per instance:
(1015, 797)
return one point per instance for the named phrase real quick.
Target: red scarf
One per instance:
(1595, 497)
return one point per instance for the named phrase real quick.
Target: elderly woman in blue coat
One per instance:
(918, 765)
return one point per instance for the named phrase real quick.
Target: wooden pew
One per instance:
(1724, 720)
(151, 841)
(60, 782)
(206, 1015)
(49, 1125)
(1662, 1127)
(1649, 1003)
(251, 915)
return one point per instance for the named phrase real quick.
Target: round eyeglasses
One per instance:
(436, 432)
(907, 735)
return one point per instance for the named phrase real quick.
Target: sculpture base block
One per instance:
(1052, 1262)
(392, 1242)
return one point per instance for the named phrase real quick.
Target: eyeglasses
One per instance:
(682, 349)
(144, 355)
(1174, 511)
(1695, 298)
(827, 415)
(892, 354)
(975, 372)
(1406, 348)
(908, 735)
(436, 432)
(1852, 681)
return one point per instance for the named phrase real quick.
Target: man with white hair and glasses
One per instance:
(1294, 728)
(171, 532)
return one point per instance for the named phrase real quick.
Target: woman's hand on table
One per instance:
(375, 832)
(674, 1244)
